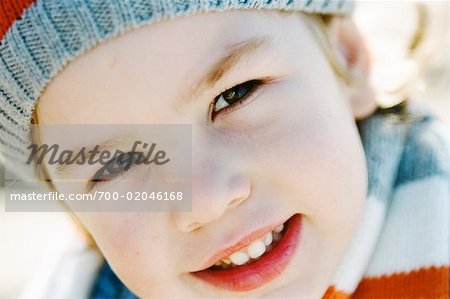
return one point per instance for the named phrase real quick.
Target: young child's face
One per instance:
(290, 148)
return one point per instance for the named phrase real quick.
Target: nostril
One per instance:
(236, 202)
(194, 226)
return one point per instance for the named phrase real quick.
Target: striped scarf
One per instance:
(401, 249)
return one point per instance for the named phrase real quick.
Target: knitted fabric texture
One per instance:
(401, 249)
(39, 38)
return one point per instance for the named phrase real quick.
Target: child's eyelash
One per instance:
(100, 178)
(94, 184)
(255, 84)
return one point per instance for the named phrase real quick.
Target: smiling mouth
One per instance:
(257, 262)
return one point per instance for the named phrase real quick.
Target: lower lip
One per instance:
(261, 271)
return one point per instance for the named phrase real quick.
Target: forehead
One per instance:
(155, 64)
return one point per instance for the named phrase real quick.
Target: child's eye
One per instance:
(114, 168)
(234, 96)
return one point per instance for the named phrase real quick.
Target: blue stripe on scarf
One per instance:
(108, 286)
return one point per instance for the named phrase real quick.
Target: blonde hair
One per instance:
(421, 48)
(319, 29)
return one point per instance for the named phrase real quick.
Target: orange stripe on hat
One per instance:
(11, 10)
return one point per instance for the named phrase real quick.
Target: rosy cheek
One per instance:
(111, 231)
(137, 257)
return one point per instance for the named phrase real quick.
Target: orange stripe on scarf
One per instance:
(424, 283)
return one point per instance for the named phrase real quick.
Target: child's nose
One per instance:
(215, 190)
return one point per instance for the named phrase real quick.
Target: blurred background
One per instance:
(410, 45)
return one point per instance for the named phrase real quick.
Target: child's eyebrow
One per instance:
(111, 144)
(236, 53)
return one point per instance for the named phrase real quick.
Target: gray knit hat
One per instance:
(40, 37)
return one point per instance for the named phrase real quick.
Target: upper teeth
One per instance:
(268, 238)
(254, 250)
(279, 229)
(239, 258)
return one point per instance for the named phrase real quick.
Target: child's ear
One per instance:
(352, 52)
